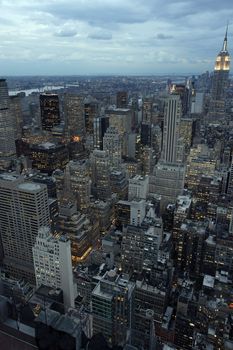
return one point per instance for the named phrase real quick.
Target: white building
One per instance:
(138, 187)
(52, 263)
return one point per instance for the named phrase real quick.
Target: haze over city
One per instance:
(110, 36)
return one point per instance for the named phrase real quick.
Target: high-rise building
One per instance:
(112, 300)
(80, 182)
(50, 112)
(220, 81)
(52, 263)
(48, 156)
(169, 171)
(78, 228)
(172, 117)
(100, 174)
(140, 245)
(7, 130)
(90, 112)
(16, 111)
(23, 210)
(113, 146)
(122, 99)
(74, 115)
(138, 187)
(100, 125)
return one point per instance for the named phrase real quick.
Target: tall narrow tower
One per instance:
(220, 80)
(7, 140)
(172, 115)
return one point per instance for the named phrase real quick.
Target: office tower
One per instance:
(146, 133)
(147, 111)
(119, 184)
(16, 111)
(120, 118)
(148, 160)
(23, 210)
(112, 145)
(48, 156)
(149, 305)
(140, 245)
(183, 92)
(52, 263)
(49, 109)
(197, 104)
(7, 130)
(100, 165)
(80, 183)
(138, 187)
(186, 134)
(220, 81)
(200, 162)
(101, 212)
(100, 126)
(112, 300)
(172, 118)
(74, 115)
(90, 113)
(78, 228)
(130, 212)
(122, 99)
(169, 172)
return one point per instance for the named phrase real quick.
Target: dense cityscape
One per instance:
(116, 211)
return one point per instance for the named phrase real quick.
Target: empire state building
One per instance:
(220, 81)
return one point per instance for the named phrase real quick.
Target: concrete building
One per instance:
(78, 228)
(80, 182)
(23, 210)
(52, 263)
(171, 132)
(100, 174)
(7, 126)
(112, 145)
(138, 187)
(112, 300)
(130, 212)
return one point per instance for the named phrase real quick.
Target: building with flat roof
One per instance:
(23, 210)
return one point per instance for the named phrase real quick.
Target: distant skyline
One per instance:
(122, 37)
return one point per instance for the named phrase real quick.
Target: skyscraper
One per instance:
(100, 174)
(52, 263)
(23, 210)
(50, 113)
(7, 139)
(220, 80)
(122, 99)
(169, 171)
(112, 144)
(74, 115)
(172, 116)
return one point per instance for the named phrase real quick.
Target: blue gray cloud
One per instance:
(111, 36)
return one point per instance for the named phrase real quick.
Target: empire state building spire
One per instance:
(224, 47)
(223, 59)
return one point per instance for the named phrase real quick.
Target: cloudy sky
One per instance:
(111, 36)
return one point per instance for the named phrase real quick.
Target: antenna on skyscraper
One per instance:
(224, 48)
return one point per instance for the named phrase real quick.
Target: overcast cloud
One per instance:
(111, 36)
